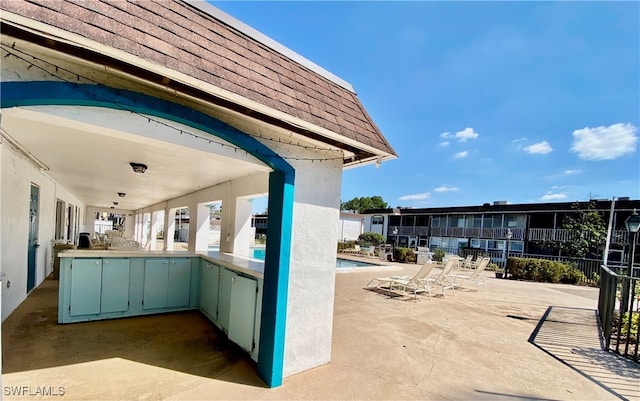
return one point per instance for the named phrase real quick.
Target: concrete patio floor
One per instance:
(516, 341)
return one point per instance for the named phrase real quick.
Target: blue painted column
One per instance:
(276, 278)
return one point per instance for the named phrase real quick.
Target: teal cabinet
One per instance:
(243, 311)
(224, 298)
(115, 285)
(156, 283)
(86, 287)
(99, 286)
(179, 290)
(167, 283)
(209, 282)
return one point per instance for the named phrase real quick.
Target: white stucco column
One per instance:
(155, 227)
(169, 228)
(198, 227)
(242, 227)
(144, 240)
(316, 217)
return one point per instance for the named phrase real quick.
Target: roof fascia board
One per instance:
(72, 39)
(267, 41)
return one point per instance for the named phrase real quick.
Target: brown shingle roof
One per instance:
(184, 38)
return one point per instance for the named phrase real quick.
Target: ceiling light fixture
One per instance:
(115, 203)
(122, 194)
(138, 167)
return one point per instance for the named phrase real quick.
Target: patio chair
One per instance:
(477, 275)
(445, 279)
(417, 283)
(381, 281)
(467, 263)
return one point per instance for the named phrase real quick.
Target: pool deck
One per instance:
(514, 341)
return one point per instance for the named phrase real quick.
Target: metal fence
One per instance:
(618, 310)
(589, 267)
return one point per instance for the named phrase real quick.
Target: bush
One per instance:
(438, 255)
(370, 239)
(544, 270)
(346, 245)
(404, 255)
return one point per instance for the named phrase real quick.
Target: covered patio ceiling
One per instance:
(89, 150)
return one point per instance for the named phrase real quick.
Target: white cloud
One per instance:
(461, 136)
(422, 196)
(445, 144)
(541, 148)
(467, 133)
(461, 155)
(445, 188)
(551, 196)
(572, 171)
(605, 143)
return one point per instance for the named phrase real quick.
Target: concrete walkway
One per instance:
(515, 341)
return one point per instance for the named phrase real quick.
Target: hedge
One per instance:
(549, 271)
(404, 255)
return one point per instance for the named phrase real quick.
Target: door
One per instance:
(32, 247)
(115, 285)
(156, 283)
(86, 286)
(242, 311)
(179, 282)
(209, 290)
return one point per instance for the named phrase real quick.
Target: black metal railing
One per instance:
(619, 312)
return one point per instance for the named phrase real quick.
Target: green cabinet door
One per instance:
(156, 283)
(179, 282)
(115, 285)
(86, 278)
(243, 311)
(224, 299)
(209, 280)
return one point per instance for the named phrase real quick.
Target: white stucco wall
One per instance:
(17, 175)
(350, 228)
(313, 265)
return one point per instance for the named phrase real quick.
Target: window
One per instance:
(377, 220)
(394, 221)
(422, 221)
(407, 221)
(437, 221)
(456, 221)
(477, 221)
(60, 219)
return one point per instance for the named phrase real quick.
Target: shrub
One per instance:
(438, 255)
(404, 255)
(544, 270)
(633, 330)
(346, 245)
(369, 239)
(492, 267)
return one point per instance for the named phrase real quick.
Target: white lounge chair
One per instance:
(477, 275)
(417, 283)
(445, 277)
(389, 281)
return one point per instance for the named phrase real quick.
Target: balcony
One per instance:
(562, 235)
(475, 232)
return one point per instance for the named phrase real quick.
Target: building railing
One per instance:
(618, 311)
(562, 235)
(475, 232)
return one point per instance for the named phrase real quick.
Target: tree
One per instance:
(359, 205)
(588, 231)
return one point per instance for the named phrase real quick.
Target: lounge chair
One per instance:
(417, 283)
(467, 263)
(477, 275)
(389, 281)
(445, 277)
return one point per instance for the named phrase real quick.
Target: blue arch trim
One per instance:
(33, 93)
(281, 189)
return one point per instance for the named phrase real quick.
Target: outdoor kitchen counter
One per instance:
(252, 267)
(109, 284)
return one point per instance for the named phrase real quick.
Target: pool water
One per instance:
(259, 253)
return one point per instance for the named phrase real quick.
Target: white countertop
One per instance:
(253, 267)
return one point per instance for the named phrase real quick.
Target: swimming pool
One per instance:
(259, 253)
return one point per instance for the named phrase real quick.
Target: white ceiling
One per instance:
(88, 151)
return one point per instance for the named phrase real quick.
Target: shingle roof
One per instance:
(182, 37)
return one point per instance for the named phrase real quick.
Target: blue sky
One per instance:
(482, 101)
